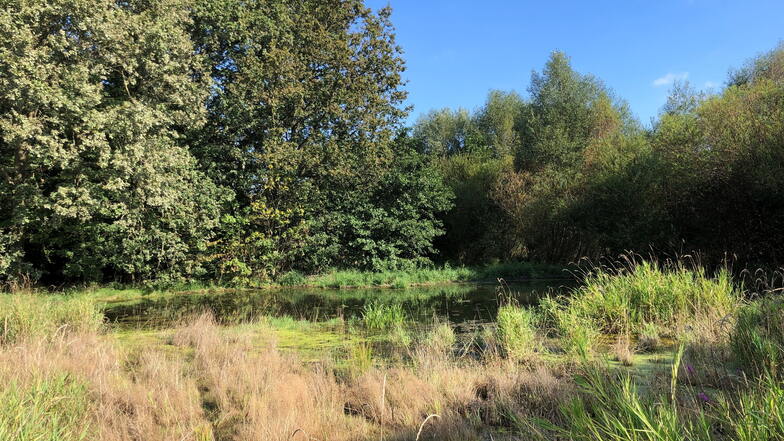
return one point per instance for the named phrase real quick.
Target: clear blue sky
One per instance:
(456, 51)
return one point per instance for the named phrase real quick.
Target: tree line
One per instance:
(236, 141)
(568, 173)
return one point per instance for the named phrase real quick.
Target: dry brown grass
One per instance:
(707, 352)
(212, 385)
(623, 350)
(154, 400)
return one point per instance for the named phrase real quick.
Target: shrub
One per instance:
(292, 278)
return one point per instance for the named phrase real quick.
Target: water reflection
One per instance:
(460, 303)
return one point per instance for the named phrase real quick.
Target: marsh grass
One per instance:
(30, 315)
(377, 316)
(623, 350)
(517, 332)
(53, 408)
(208, 382)
(630, 295)
(757, 339)
(648, 338)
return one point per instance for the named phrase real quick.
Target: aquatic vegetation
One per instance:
(378, 316)
(631, 295)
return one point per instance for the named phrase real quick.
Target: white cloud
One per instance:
(711, 84)
(670, 78)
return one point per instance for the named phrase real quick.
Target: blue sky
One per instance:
(456, 51)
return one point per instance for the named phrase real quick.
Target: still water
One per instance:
(459, 303)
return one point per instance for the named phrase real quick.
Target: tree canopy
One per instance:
(238, 140)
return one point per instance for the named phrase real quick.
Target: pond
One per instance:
(459, 303)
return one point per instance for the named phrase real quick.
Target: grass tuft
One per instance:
(517, 332)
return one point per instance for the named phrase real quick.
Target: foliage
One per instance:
(96, 180)
(160, 142)
(302, 128)
(390, 225)
(725, 154)
(476, 225)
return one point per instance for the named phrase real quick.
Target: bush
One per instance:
(28, 315)
(292, 278)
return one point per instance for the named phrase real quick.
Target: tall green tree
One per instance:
(572, 184)
(724, 163)
(307, 100)
(446, 132)
(96, 182)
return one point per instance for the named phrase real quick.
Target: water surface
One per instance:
(459, 303)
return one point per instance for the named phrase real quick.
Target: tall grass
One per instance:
(612, 407)
(394, 279)
(517, 332)
(31, 315)
(47, 409)
(758, 414)
(430, 275)
(378, 316)
(631, 297)
(757, 340)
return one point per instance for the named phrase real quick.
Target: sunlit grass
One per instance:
(30, 315)
(46, 409)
